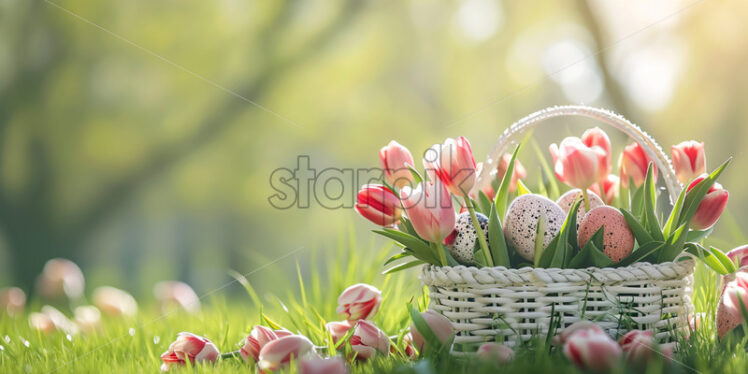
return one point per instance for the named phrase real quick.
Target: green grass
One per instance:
(131, 346)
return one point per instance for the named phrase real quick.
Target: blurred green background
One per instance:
(137, 138)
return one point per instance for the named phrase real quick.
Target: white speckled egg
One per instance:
(566, 200)
(521, 223)
(618, 240)
(461, 242)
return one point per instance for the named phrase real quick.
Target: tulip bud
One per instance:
(378, 204)
(597, 137)
(41, 322)
(560, 339)
(689, 160)
(12, 301)
(634, 163)
(338, 329)
(610, 188)
(739, 255)
(495, 353)
(189, 346)
(440, 326)
(729, 309)
(576, 164)
(590, 350)
(453, 163)
(394, 158)
(88, 318)
(60, 277)
(711, 206)
(115, 302)
(280, 352)
(639, 346)
(176, 295)
(258, 338)
(430, 210)
(518, 173)
(368, 340)
(360, 301)
(60, 320)
(313, 365)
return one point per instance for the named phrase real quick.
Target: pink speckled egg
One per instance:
(567, 200)
(727, 318)
(618, 241)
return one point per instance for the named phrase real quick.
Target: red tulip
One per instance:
(177, 295)
(518, 173)
(495, 352)
(338, 329)
(115, 302)
(378, 204)
(60, 277)
(592, 350)
(610, 188)
(453, 163)
(578, 165)
(190, 347)
(258, 338)
(280, 352)
(597, 137)
(430, 210)
(640, 346)
(315, 365)
(563, 336)
(12, 301)
(634, 163)
(360, 301)
(689, 160)
(394, 158)
(711, 206)
(368, 340)
(739, 255)
(439, 325)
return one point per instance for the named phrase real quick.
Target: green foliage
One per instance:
(502, 194)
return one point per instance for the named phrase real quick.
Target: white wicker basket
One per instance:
(513, 305)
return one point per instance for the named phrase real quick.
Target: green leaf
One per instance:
(548, 254)
(484, 203)
(396, 257)
(722, 258)
(674, 217)
(502, 195)
(582, 259)
(496, 240)
(674, 244)
(522, 189)
(419, 248)
(553, 190)
(416, 175)
(707, 258)
(697, 193)
(563, 253)
(403, 266)
(637, 200)
(697, 236)
(650, 216)
(539, 238)
(599, 258)
(641, 234)
(641, 253)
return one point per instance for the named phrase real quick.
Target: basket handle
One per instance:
(515, 132)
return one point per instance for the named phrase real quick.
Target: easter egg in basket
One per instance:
(521, 223)
(462, 241)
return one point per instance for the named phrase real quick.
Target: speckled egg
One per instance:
(567, 200)
(727, 318)
(618, 241)
(521, 223)
(461, 242)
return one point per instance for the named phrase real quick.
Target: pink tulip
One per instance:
(408, 348)
(280, 352)
(41, 322)
(592, 350)
(739, 255)
(639, 347)
(282, 333)
(440, 326)
(314, 365)
(430, 210)
(689, 160)
(518, 173)
(378, 204)
(177, 295)
(115, 302)
(189, 346)
(360, 301)
(711, 206)
(560, 339)
(258, 338)
(60, 277)
(610, 188)
(578, 165)
(368, 340)
(597, 137)
(394, 158)
(453, 163)
(634, 163)
(495, 352)
(88, 318)
(60, 320)
(338, 329)
(12, 301)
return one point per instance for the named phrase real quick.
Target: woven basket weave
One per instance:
(513, 305)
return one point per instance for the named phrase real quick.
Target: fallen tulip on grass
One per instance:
(189, 347)
(360, 301)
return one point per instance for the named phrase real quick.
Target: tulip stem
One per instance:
(230, 355)
(439, 248)
(479, 231)
(586, 200)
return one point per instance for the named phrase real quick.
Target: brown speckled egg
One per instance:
(567, 199)
(521, 223)
(618, 241)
